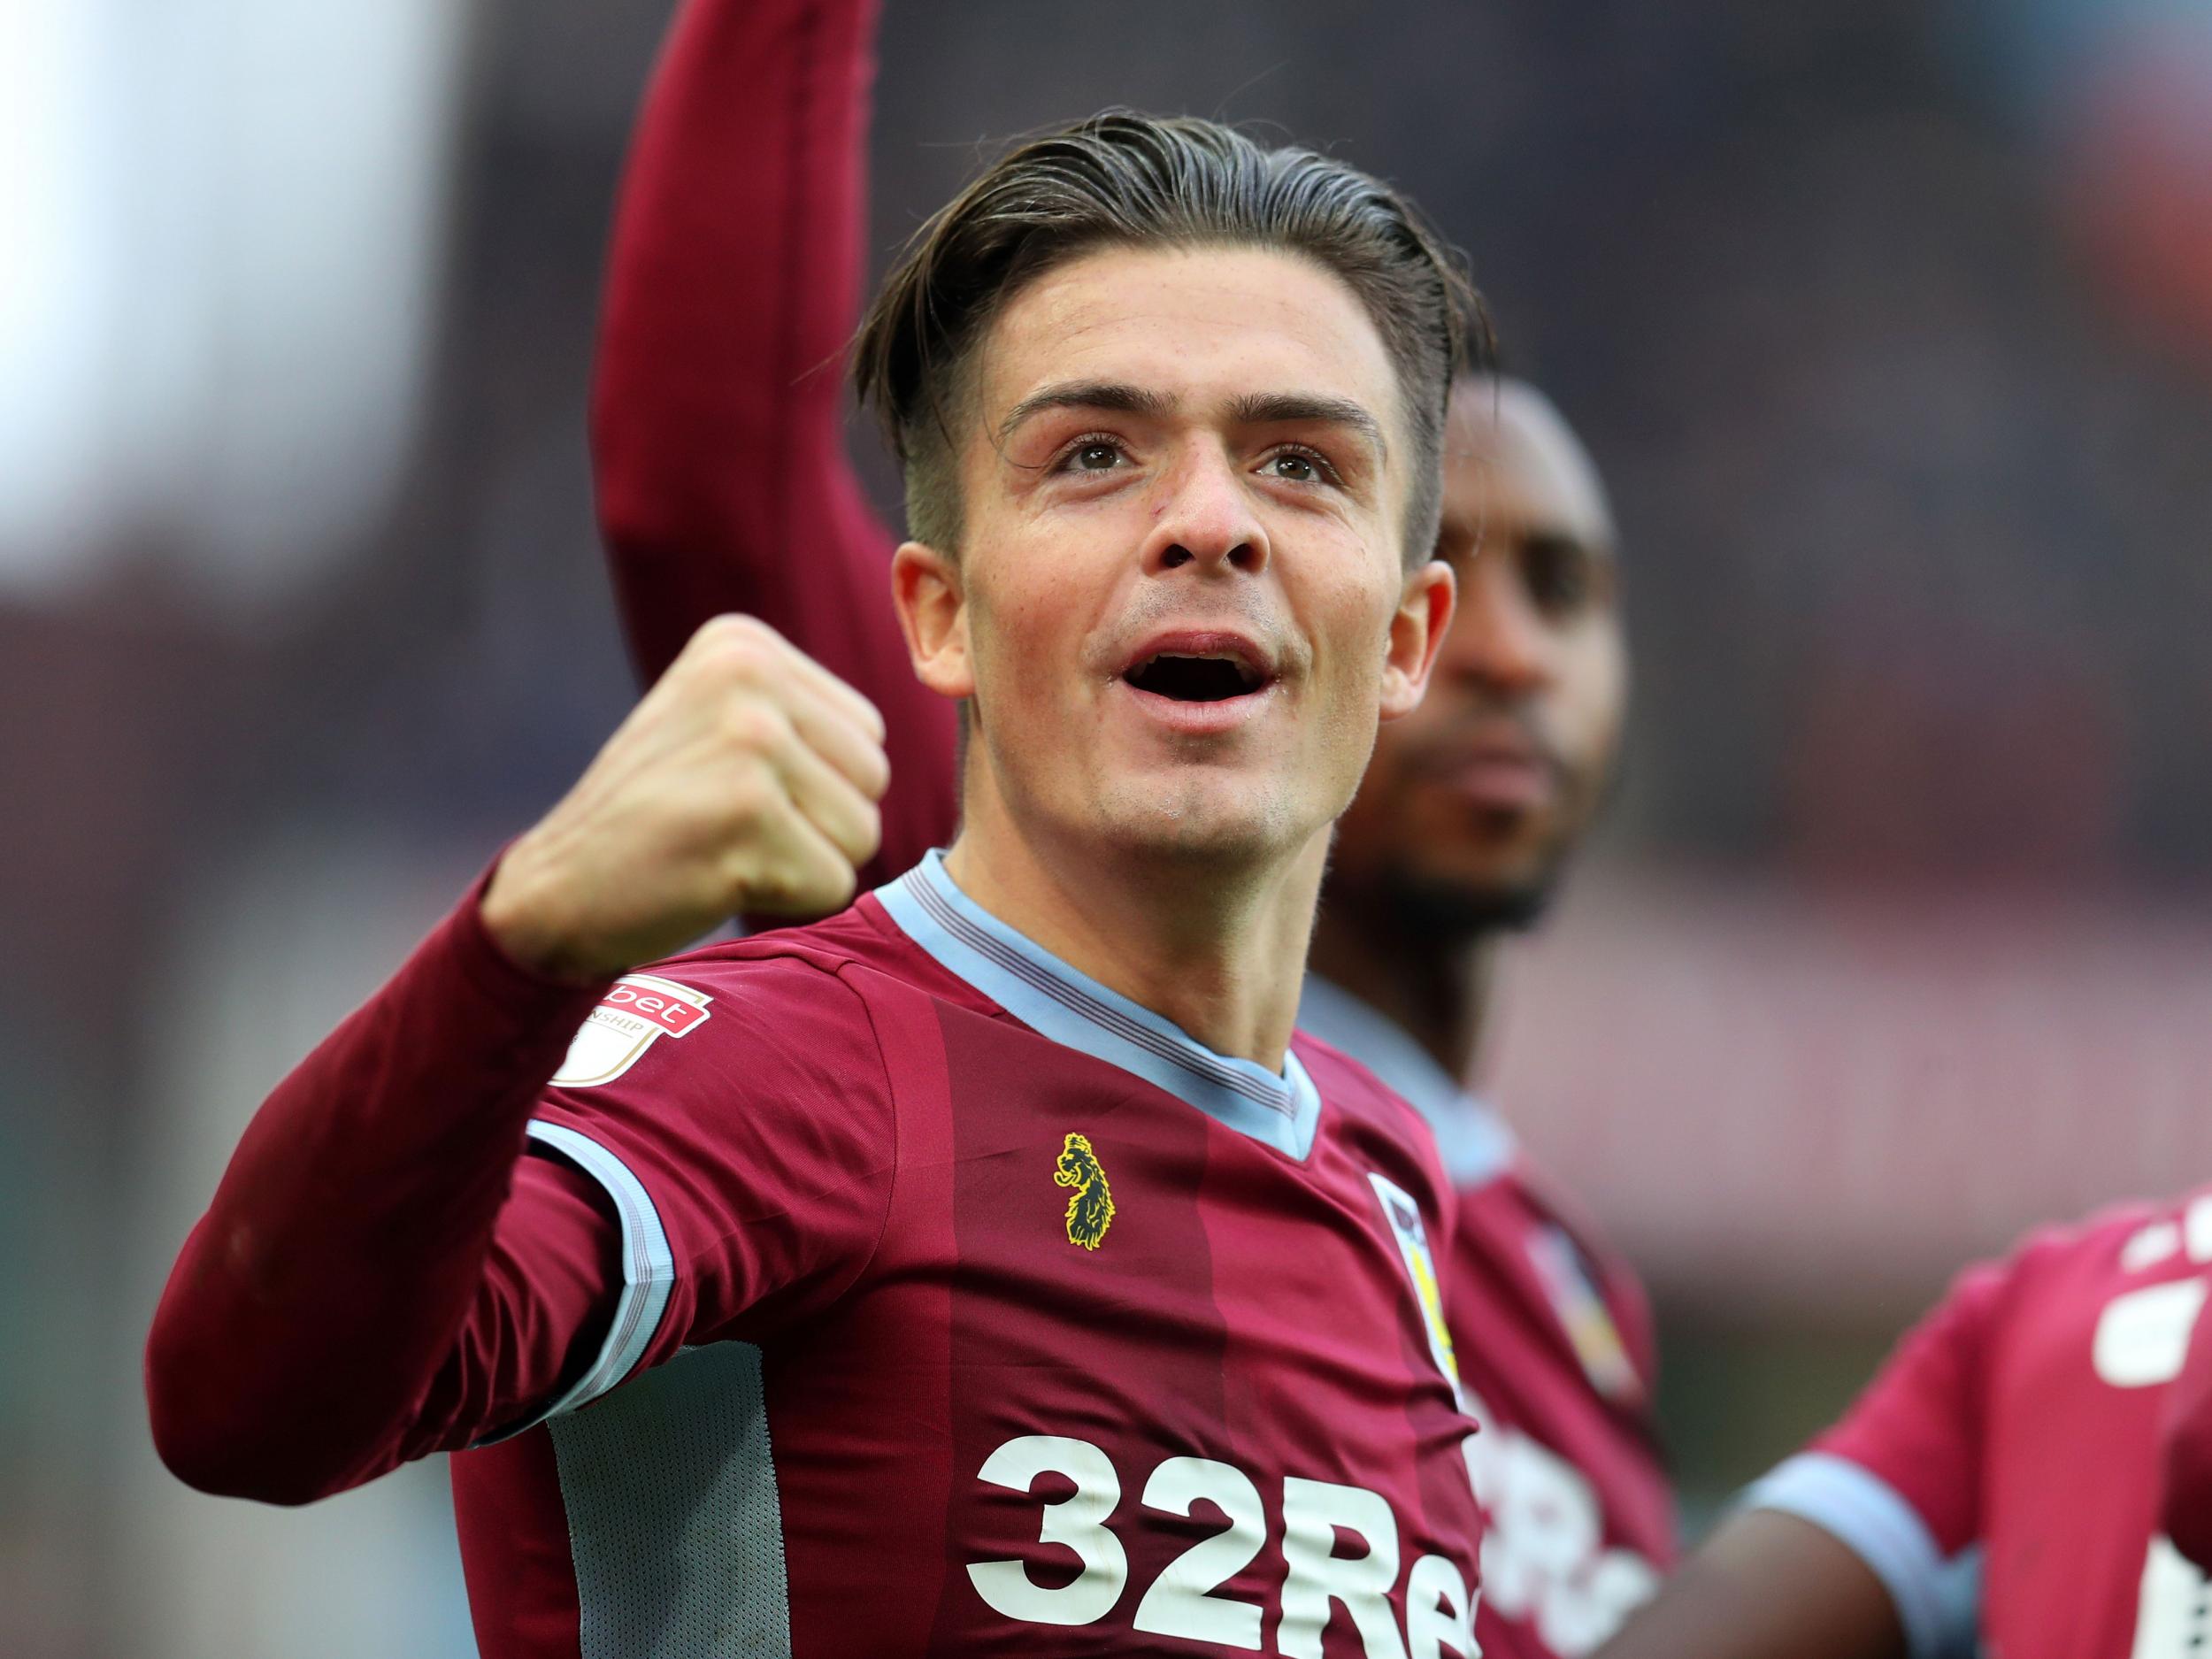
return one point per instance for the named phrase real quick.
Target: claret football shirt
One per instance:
(1557, 1360)
(969, 1308)
(2000, 1475)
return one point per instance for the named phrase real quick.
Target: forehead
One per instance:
(1512, 463)
(1201, 326)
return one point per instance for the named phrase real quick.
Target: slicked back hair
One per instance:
(1125, 181)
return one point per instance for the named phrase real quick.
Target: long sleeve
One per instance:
(487, 1200)
(382, 1272)
(733, 284)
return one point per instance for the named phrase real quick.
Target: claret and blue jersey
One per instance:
(967, 1307)
(2000, 1476)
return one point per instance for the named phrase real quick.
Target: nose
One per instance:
(1499, 638)
(1205, 519)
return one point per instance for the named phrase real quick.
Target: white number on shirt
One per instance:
(1182, 1600)
(1076, 1522)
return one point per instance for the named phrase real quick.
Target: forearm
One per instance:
(1765, 1587)
(308, 1320)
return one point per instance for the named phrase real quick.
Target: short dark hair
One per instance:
(1124, 179)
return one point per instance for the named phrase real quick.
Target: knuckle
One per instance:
(748, 795)
(755, 727)
(737, 650)
(734, 628)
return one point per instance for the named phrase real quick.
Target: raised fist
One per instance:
(745, 779)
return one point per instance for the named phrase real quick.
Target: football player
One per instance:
(986, 1269)
(724, 485)
(1996, 1488)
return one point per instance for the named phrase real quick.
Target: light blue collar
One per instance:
(1058, 1002)
(1474, 1141)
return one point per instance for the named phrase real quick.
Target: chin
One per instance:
(1502, 898)
(1202, 822)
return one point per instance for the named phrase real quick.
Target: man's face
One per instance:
(1473, 800)
(1181, 604)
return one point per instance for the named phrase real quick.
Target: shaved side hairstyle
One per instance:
(1125, 181)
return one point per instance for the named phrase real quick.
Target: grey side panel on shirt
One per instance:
(673, 1518)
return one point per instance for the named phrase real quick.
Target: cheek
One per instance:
(1348, 606)
(1027, 636)
(1594, 699)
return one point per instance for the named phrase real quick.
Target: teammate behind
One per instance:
(1997, 1484)
(724, 485)
(984, 1269)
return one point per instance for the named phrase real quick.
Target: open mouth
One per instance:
(1193, 679)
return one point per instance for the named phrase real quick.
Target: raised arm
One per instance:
(733, 284)
(383, 1272)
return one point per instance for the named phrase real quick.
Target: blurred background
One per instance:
(1889, 322)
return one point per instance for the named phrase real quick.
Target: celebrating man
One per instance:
(984, 1269)
(724, 485)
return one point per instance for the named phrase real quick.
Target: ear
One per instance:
(1417, 632)
(933, 609)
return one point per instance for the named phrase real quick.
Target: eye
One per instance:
(1091, 455)
(1559, 576)
(1298, 466)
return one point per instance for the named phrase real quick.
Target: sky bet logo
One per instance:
(636, 1013)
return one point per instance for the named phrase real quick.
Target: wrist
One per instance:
(522, 912)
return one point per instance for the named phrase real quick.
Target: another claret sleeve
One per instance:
(718, 432)
(1899, 1479)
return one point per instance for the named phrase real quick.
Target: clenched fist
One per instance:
(745, 779)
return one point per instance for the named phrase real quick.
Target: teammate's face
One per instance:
(1473, 800)
(1181, 604)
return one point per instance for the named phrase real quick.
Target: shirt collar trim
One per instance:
(1061, 1002)
(1475, 1142)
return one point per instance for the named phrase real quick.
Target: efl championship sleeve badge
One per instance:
(635, 1013)
(1091, 1211)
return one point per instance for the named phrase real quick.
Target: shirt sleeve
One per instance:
(749, 1167)
(2186, 1497)
(421, 1243)
(717, 436)
(1899, 1479)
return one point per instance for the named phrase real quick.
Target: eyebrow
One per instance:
(1116, 396)
(1278, 408)
(1252, 409)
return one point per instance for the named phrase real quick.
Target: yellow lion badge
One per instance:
(1091, 1211)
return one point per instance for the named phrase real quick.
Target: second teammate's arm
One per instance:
(1858, 1547)
(1766, 1585)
